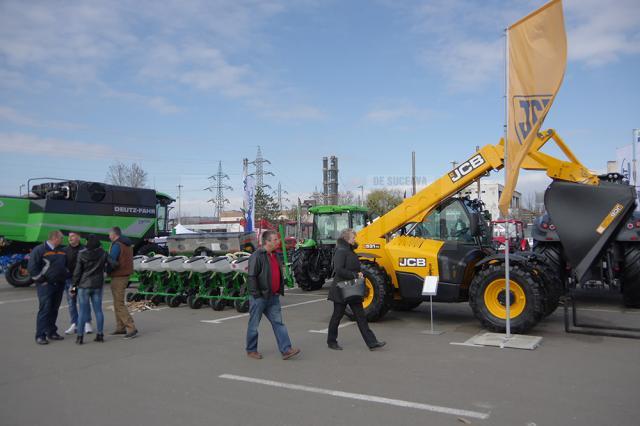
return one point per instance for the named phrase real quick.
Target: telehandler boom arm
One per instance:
(490, 157)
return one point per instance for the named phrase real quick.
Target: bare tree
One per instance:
(132, 175)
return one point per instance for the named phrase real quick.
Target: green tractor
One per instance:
(311, 261)
(82, 207)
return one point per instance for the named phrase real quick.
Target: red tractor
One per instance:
(517, 239)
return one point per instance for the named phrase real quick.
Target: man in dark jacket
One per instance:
(88, 279)
(48, 269)
(346, 267)
(266, 285)
(121, 253)
(72, 257)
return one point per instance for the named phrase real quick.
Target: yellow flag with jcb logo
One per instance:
(537, 49)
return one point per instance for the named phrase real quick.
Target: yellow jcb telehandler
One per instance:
(588, 238)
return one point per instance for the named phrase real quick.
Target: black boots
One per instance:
(334, 346)
(99, 338)
(377, 345)
(78, 340)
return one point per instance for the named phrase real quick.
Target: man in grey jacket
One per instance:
(266, 285)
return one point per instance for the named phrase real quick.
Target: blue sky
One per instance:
(179, 85)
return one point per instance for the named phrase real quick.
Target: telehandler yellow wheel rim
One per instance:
(495, 298)
(368, 296)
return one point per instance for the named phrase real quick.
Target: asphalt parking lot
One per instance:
(188, 367)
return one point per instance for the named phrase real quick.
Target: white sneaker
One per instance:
(87, 328)
(71, 330)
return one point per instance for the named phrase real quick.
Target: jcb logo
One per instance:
(528, 111)
(411, 262)
(466, 168)
(616, 210)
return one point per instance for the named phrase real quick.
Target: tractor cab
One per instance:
(329, 221)
(162, 213)
(517, 238)
(312, 258)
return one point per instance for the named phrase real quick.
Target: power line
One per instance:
(260, 171)
(218, 187)
(280, 198)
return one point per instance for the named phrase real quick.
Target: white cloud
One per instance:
(157, 46)
(13, 116)
(19, 143)
(296, 112)
(199, 67)
(157, 103)
(601, 33)
(463, 39)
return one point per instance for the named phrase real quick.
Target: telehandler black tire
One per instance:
(378, 297)
(487, 298)
(306, 277)
(405, 305)
(631, 276)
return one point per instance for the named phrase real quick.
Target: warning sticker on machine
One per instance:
(609, 218)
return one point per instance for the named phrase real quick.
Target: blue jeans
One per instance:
(49, 298)
(93, 296)
(72, 301)
(271, 309)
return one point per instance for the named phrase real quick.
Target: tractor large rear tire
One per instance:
(487, 298)
(553, 287)
(554, 273)
(17, 275)
(552, 252)
(378, 297)
(631, 276)
(307, 277)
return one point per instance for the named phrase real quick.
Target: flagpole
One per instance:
(506, 170)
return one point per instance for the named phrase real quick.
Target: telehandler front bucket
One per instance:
(587, 217)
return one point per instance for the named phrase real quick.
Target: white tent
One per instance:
(180, 229)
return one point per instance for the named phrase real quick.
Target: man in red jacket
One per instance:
(266, 285)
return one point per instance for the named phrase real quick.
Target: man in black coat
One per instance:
(266, 285)
(88, 280)
(48, 269)
(346, 267)
(72, 251)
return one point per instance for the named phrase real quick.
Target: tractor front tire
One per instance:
(631, 276)
(378, 298)
(307, 278)
(17, 274)
(487, 298)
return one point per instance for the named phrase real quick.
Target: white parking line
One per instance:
(361, 397)
(614, 311)
(326, 330)
(307, 294)
(219, 320)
